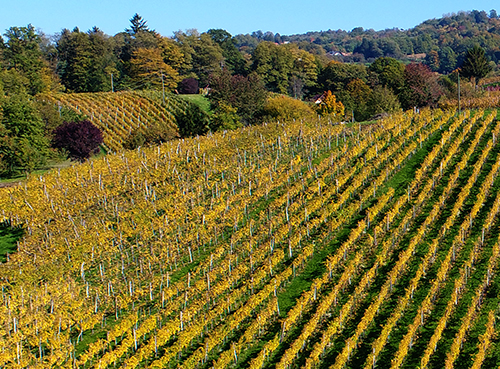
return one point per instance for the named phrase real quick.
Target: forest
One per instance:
(350, 75)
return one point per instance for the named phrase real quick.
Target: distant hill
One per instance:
(449, 37)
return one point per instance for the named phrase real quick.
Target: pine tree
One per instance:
(476, 64)
(138, 24)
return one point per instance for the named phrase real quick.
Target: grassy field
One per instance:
(200, 100)
(8, 240)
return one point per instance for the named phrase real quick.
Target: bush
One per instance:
(154, 134)
(284, 108)
(80, 139)
(188, 86)
(192, 121)
(382, 100)
(225, 117)
(53, 116)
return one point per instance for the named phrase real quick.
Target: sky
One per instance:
(278, 16)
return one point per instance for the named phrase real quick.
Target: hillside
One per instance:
(448, 37)
(304, 244)
(120, 114)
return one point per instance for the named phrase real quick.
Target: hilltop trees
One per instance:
(274, 64)
(233, 59)
(202, 55)
(84, 59)
(22, 60)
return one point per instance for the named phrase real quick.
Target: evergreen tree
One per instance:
(137, 24)
(476, 64)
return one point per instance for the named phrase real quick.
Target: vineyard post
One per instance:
(162, 87)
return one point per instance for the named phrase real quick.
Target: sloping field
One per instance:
(118, 114)
(286, 245)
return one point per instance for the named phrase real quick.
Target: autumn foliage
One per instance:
(79, 139)
(329, 106)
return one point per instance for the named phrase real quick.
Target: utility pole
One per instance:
(162, 87)
(112, 87)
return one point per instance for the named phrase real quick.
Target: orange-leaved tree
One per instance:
(330, 106)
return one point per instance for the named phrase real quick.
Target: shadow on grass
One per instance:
(8, 240)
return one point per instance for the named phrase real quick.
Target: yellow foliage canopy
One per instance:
(330, 106)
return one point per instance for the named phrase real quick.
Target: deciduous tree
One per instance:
(274, 64)
(329, 106)
(79, 139)
(421, 87)
(23, 145)
(246, 94)
(21, 52)
(150, 70)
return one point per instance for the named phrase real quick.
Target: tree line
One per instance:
(237, 73)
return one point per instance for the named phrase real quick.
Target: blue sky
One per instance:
(278, 16)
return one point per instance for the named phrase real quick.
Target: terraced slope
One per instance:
(119, 114)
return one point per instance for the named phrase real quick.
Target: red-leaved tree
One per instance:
(79, 139)
(421, 87)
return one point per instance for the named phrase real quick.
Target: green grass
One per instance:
(200, 100)
(8, 240)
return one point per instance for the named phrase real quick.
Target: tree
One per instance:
(74, 59)
(356, 101)
(189, 86)
(389, 73)
(476, 64)
(233, 60)
(421, 87)
(23, 145)
(85, 59)
(203, 56)
(432, 60)
(336, 75)
(192, 121)
(274, 64)
(137, 25)
(382, 100)
(369, 48)
(22, 53)
(79, 139)
(304, 71)
(329, 106)
(448, 60)
(246, 94)
(150, 70)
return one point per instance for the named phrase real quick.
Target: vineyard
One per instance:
(121, 113)
(303, 244)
